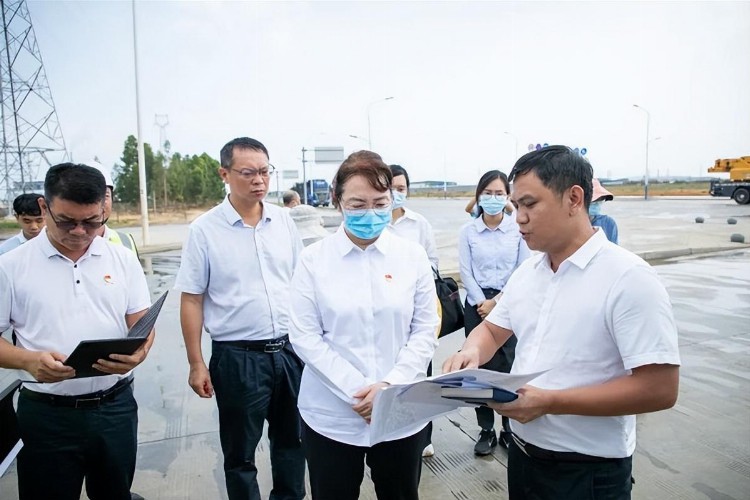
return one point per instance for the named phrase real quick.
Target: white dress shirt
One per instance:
(359, 317)
(53, 303)
(242, 271)
(414, 227)
(12, 243)
(603, 313)
(487, 257)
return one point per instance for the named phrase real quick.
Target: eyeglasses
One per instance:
(69, 225)
(250, 173)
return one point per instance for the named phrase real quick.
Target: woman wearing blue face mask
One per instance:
(598, 219)
(363, 315)
(490, 248)
(406, 222)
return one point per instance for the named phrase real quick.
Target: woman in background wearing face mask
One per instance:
(363, 315)
(406, 222)
(607, 223)
(490, 248)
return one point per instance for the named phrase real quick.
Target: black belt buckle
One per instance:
(88, 403)
(276, 346)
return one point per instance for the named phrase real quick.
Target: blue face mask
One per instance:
(491, 204)
(595, 208)
(399, 200)
(366, 224)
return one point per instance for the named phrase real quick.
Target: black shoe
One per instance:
(505, 438)
(486, 442)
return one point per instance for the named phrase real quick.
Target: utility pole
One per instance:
(304, 176)
(141, 155)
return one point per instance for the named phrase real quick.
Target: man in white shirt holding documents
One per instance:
(63, 287)
(593, 314)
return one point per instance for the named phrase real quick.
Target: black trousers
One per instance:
(502, 361)
(337, 469)
(62, 446)
(252, 387)
(535, 479)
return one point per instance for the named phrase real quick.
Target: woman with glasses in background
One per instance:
(363, 316)
(490, 248)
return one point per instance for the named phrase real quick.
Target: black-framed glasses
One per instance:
(250, 173)
(69, 225)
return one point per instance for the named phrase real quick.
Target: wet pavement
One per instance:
(700, 449)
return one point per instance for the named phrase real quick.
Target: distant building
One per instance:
(431, 184)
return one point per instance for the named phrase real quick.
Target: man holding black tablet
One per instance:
(61, 288)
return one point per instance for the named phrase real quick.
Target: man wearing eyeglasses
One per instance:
(236, 268)
(60, 288)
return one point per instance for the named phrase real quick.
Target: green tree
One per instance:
(126, 172)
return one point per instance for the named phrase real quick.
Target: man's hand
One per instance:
(367, 395)
(200, 380)
(48, 367)
(120, 364)
(531, 404)
(485, 307)
(467, 358)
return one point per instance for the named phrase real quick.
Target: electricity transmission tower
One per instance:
(31, 132)
(162, 121)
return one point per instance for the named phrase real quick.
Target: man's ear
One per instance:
(42, 205)
(575, 199)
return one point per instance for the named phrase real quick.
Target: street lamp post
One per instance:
(515, 139)
(369, 128)
(648, 125)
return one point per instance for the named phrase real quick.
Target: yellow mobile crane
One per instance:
(738, 185)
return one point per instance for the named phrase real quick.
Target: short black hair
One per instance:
(227, 152)
(27, 204)
(75, 182)
(559, 168)
(397, 170)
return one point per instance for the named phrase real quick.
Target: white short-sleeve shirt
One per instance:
(242, 271)
(53, 303)
(603, 313)
(359, 317)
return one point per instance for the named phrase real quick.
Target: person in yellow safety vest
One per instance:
(109, 234)
(112, 235)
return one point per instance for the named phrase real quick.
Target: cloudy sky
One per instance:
(473, 83)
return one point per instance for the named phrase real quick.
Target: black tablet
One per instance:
(89, 351)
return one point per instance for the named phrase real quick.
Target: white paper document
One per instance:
(398, 407)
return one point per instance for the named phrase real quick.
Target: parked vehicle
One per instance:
(738, 185)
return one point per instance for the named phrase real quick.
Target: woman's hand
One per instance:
(485, 307)
(367, 395)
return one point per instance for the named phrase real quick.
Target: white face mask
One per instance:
(399, 199)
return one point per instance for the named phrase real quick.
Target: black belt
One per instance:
(268, 346)
(533, 451)
(91, 400)
(490, 292)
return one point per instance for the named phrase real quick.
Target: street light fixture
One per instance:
(359, 138)
(369, 128)
(648, 125)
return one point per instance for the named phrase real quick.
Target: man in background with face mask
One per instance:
(597, 218)
(236, 268)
